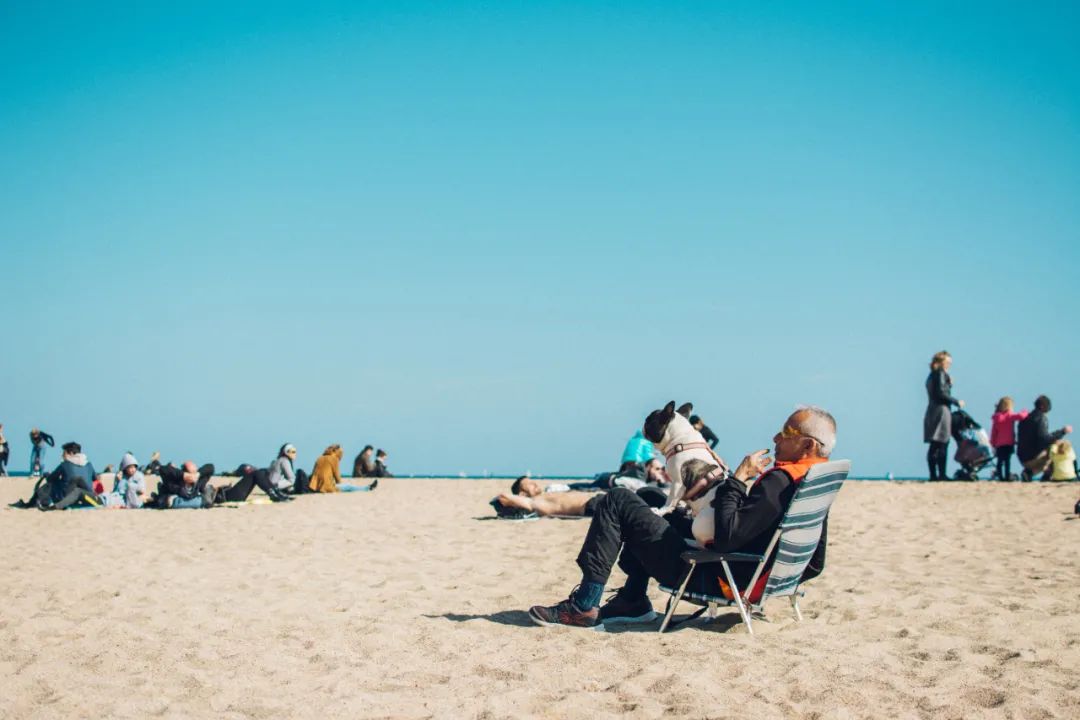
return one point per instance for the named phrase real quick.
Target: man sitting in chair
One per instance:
(651, 546)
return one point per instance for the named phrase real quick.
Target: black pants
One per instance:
(240, 490)
(300, 486)
(936, 457)
(646, 545)
(75, 496)
(1004, 461)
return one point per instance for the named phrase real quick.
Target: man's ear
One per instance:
(685, 409)
(669, 409)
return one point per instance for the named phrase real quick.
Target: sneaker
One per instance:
(566, 614)
(624, 609)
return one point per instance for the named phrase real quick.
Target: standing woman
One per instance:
(937, 423)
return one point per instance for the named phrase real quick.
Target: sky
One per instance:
(491, 237)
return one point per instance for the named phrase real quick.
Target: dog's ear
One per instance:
(685, 409)
(669, 409)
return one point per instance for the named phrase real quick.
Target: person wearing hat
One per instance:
(129, 486)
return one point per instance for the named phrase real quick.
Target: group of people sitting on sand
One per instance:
(74, 483)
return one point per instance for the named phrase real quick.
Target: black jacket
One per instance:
(710, 436)
(939, 389)
(43, 437)
(1033, 435)
(172, 482)
(746, 521)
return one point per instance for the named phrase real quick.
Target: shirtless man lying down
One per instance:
(529, 495)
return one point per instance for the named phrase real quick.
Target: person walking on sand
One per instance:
(38, 442)
(1003, 436)
(937, 422)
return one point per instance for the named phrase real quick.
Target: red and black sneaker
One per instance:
(566, 614)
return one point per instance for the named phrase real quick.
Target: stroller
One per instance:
(973, 450)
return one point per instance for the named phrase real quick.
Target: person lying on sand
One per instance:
(653, 473)
(185, 487)
(527, 494)
(250, 478)
(648, 545)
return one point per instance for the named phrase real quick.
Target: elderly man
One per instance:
(651, 546)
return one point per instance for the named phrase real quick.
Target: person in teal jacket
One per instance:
(637, 453)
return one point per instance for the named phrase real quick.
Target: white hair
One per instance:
(820, 425)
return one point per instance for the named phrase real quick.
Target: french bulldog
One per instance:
(675, 438)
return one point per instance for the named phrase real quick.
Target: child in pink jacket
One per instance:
(1003, 435)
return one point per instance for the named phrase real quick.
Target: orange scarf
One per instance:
(794, 469)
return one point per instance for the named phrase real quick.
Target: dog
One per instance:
(700, 480)
(675, 438)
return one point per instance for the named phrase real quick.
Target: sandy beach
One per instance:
(938, 601)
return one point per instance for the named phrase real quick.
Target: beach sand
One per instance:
(938, 601)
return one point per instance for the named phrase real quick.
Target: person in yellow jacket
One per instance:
(327, 473)
(1063, 458)
(326, 477)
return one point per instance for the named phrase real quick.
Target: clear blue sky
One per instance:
(494, 236)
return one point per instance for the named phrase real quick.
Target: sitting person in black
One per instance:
(647, 545)
(380, 465)
(69, 485)
(1034, 439)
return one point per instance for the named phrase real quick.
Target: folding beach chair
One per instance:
(797, 537)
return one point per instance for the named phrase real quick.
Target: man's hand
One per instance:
(960, 404)
(752, 465)
(1068, 429)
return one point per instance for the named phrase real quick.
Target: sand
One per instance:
(939, 601)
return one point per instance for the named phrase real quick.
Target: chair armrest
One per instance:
(702, 557)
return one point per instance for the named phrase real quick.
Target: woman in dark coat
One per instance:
(937, 423)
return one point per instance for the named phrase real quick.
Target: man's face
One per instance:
(130, 470)
(655, 473)
(790, 443)
(530, 488)
(698, 425)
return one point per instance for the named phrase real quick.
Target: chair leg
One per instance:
(795, 606)
(673, 601)
(738, 598)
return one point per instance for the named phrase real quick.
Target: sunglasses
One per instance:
(790, 432)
